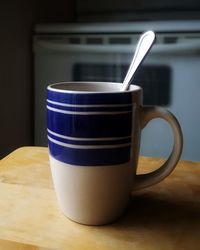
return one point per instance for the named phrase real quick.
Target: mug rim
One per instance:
(52, 87)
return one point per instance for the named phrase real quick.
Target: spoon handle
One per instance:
(143, 46)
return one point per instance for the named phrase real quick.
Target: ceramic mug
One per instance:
(93, 138)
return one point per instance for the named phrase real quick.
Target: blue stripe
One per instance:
(90, 157)
(91, 109)
(91, 142)
(89, 99)
(90, 126)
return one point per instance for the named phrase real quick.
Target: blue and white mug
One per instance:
(93, 138)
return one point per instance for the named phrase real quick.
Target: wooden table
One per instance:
(163, 217)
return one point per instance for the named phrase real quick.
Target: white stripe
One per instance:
(87, 113)
(88, 146)
(88, 106)
(88, 139)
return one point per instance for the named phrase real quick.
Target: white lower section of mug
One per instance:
(92, 195)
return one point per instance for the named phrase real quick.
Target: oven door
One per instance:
(169, 77)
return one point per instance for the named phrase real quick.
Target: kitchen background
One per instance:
(18, 21)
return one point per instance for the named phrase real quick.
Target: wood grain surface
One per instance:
(163, 217)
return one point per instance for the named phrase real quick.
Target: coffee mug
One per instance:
(94, 138)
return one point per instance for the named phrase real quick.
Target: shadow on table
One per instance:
(177, 220)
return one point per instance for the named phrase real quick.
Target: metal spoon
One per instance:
(143, 46)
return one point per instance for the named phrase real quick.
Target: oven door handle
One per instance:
(41, 46)
(175, 48)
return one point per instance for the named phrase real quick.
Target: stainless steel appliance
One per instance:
(170, 75)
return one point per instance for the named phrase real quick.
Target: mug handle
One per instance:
(147, 114)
